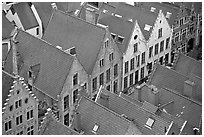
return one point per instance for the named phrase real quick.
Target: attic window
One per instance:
(147, 27)
(149, 123)
(120, 39)
(113, 35)
(153, 9)
(95, 128)
(73, 51)
(168, 15)
(54, 6)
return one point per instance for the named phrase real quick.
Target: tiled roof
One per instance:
(187, 65)
(68, 31)
(54, 63)
(109, 122)
(182, 106)
(137, 114)
(7, 27)
(25, 15)
(165, 8)
(119, 27)
(164, 77)
(142, 16)
(7, 82)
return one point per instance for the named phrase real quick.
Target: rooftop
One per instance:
(51, 63)
(107, 121)
(85, 37)
(25, 15)
(7, 27)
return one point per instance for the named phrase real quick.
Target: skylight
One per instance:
(147, 27)
(149, 123)
(168, 15)
(95, 128)
(153, 9)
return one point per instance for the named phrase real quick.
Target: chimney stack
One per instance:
(189, 88)
(77, 122)
(153, 95)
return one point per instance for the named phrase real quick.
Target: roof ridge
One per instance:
(107, 109)
(194, 101)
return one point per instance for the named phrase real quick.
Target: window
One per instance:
(167, 58)
(66, 119)
(142, 73)
(75, 95)
(106, 43)
(19, 120)
(107, 75)
(168, 15)
(161, 60)
(156, 49)
(135, 37)
(18, 103)
(94, 83)
(7, 125)
(115, 86)
(143, 57)
(138, 60)
(181, 21)
(12, 10)
(136, 76)
(149, 123)
(75, 79)
(37, 31)
(29, 114)
(161, 46)
(111, 57)
(95, 4)
(108, 87)
(113, 35)
(149, 67)
(167, 42)
(95, 128)
(150, 51)
(101, 79)
(20, 133)
(66, 102)
(30, 130)
(176, 37)
(132, 63)
(135, 47)
(131, 79)
(101, 62)
(11, 108)
(29, 74)
(125, 82)
(126, 67)
(120, 39)
(115, 70)
(184, 34)
(160, 33)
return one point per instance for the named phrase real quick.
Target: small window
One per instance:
(11, 108)
(111, 57)
(37, 31)
(18, 91)
(120, 39)
(149, 123)
(135, 37)
(66, 102)
(26, 100)
(135, 47)
(113, 35)
(106, 43)
(95, 128)
(101, 62)
(7, 125)
(75, 79)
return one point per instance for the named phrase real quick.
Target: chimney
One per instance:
(15, 67)
(138, 94)
(104, 100)
(189, 88)
(77, 122)
(153, 95)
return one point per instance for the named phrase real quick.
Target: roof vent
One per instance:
(153, 9)
(147, 27)
(119, 16)
(168, 15)
(59, 47)
(54, 6)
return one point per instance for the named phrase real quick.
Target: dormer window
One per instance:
(95, 128)
(54, 6)
(72, 51)
(149, 123)
(120, 39)
(113, 35)
(147, 27)
(168, 15)
(152, 9)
